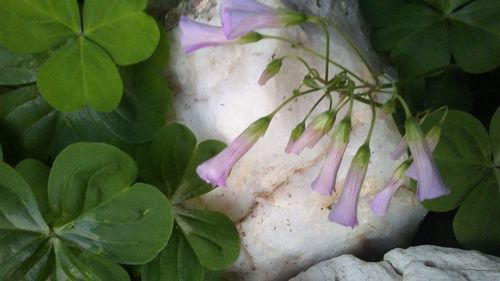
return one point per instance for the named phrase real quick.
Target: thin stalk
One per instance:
(271, 115)
(301, 60)
(372, 124)
(315, 53)
(354, 48)
(314, 107)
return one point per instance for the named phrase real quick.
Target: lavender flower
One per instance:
(345, 210)
(430, 185)
(195, 35)
(325, 182)
(400, 149)
(242, 16)
(314, 132)
(216, 169)
(295, 135)
(432, 138)
(381, 201)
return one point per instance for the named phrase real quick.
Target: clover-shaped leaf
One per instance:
(82, 70)
(205, 240)
(19, 69)
(32, 128)
(425, 36)
(99, 218)
(465, 158)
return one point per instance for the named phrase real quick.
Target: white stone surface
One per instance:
(433, 263)
(348, 267)
(422, 263)
(283, 224)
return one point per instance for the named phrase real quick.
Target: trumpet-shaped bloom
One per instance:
(195, 35)
(381, 201)
(432, 139)
(325, 182)
(242, 16)
(429, 185)
(321, 125)
(216, 169)
(295, 135)
(400, 149)
(345, 210)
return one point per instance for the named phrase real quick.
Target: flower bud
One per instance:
(271, 69)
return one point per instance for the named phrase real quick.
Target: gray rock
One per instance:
(422, 263)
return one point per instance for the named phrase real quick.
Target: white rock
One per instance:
(422, 263)
(433, 263)
(348, 267)
(283, 224)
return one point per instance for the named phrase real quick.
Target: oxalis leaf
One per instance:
(465, 160)
(19, 69)
(463, 157)
(424, 36)
(32, 128)
(204, 240)
(82, 71)
(97, 212)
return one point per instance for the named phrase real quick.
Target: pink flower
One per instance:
(345, 210)
(381, 201)
(321, 125)
(429, 185)
(216, 169)
(325, 182)
(196, 35)
(432, 138)
(242, 16)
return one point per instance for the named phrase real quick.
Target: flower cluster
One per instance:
(239, 20)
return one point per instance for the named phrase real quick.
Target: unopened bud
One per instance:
(389, 107)
(249, 37)
(272, 69)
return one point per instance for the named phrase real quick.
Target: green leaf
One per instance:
(177, 262)
(422, 39)
(104, 268)
(31, 128)
(191, 184)
(36, 174)
(17, 69)
(495, 136)
(121, 27)
(169, 155)
(22, 228)
(30, 26)
(39, 266)
(212, 236)
(1, 153)
(130, 227)
(463, 157)
(447, 6)
(86, 174)
(476, 223)
(449, 89)
(170, 162)
(79, 73)
(68, 267)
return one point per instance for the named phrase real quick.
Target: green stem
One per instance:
(314, 107)
(301, 60)
(271, 115)
(374, 117)
(354, 48)
(313, 52)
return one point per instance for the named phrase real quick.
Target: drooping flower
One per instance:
(242, 16)
(295, 135)
(271, 69)
(321, 125)
(345, 210)
(381, 201)
(325, 182)
(400, 149)
(429, 185)
(432, 138)
(216, 169)
(195, 35)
